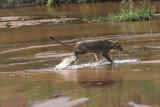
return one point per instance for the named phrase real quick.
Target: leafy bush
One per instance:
(12, 3)
(130, 13)
(50, 2)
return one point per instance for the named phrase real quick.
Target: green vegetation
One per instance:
(50, 2)
(53, 2)
(130, 13)
(128, 10)
(13, 3)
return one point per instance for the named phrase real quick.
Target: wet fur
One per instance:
(97, 47)
(94, 46)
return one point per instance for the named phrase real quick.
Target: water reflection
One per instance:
(76, 10)
(110, 88)
(41, 33)
(28, 60)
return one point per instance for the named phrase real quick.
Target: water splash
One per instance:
(101, 63)
(66, 62)
(131, 103)
(61, 102)
(126, 61)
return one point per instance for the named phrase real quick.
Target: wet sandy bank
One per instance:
(19, 21)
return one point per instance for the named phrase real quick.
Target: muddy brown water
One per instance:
(28, 58)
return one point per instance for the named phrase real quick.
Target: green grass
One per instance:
(50, 2)
(132, 16)
(130, 13)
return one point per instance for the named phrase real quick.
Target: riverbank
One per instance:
(17, 3)
(19, 21)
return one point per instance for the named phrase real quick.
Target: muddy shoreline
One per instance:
(19, 21)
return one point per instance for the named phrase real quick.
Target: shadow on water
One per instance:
(28, 58)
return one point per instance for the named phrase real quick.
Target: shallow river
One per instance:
(29, 76)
